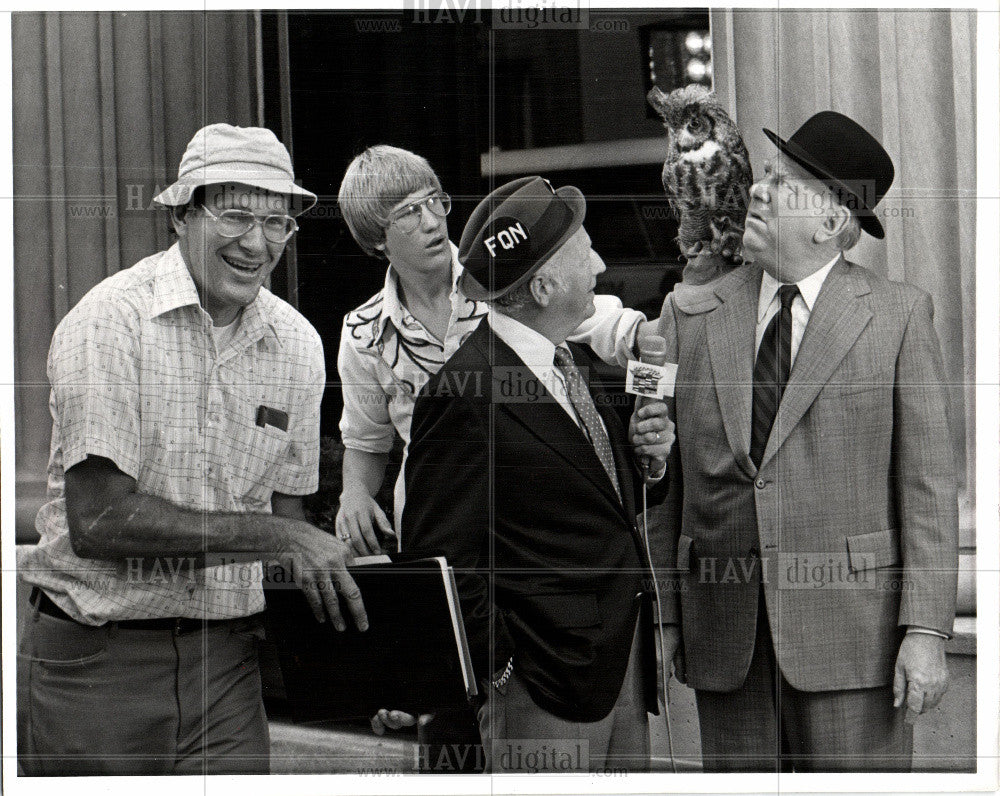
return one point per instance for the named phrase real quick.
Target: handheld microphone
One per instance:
(652, 351)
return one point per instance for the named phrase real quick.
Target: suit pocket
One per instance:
(873, 550)
(569, 609)
(853, 387)
(684, 553)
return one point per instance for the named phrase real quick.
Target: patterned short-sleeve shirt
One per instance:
(136, 378)
(387, 356)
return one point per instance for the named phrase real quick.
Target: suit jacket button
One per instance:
(760, 483)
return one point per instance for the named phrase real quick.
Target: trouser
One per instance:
(520, 736)
(111, 700)
(767, 725)
(449, 743)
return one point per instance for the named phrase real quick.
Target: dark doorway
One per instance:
(363, 78)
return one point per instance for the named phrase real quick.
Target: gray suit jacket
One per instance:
(850, 523)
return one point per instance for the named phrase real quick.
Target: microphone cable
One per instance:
(664, 663)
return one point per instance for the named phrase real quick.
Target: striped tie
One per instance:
(770, 373)
(583, 404)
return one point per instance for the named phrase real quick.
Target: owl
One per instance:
(706, 174)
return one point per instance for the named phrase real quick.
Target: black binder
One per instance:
(413, 657)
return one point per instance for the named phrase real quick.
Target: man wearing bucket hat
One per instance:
(185, 405)
(522, 477)
(816, 534)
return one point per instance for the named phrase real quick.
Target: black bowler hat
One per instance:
(845, 156)
(513, 232)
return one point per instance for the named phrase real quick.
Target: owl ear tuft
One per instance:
(659, 101)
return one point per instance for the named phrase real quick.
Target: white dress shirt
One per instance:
(768, 304)
(538, 353)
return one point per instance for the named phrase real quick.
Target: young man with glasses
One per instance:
(185, 405)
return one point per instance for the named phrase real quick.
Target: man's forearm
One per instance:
(364, 470)
(610, 331)
(138, 525)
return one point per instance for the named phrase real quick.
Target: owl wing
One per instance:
(741, 173)
(671, 184)
(733, 177)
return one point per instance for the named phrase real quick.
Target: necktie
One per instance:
(770, 373)
(583, 404)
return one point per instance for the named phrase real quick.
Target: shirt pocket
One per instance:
(254, 481)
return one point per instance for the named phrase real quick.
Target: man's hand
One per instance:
(395, 719)
(357, 519)
(319, 562)
(674, 653)
(921, 673)
(651, 433)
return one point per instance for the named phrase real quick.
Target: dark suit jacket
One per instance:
(850, 523)
(548, 561)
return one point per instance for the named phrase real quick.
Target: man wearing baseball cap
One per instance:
(185, 406)
(817, 534)
(521, 475)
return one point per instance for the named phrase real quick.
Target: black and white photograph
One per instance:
(457, 396)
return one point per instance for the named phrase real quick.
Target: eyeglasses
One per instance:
(408, 218)
(236, 223)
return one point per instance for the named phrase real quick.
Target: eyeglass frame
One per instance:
(257, 221)
(397, 215)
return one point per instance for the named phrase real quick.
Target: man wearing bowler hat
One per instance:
(185, 407)
(521, 475)
(816, 521)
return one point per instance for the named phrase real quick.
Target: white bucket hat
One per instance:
(222, 153)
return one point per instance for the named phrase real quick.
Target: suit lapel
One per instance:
(730, 331)
(544, 417)
(836, 322)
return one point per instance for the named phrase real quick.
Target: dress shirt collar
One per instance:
(534, 349)
(808, 288)
(255, 323)
(173, 286)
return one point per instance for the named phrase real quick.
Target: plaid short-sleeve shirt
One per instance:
(136, 378)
